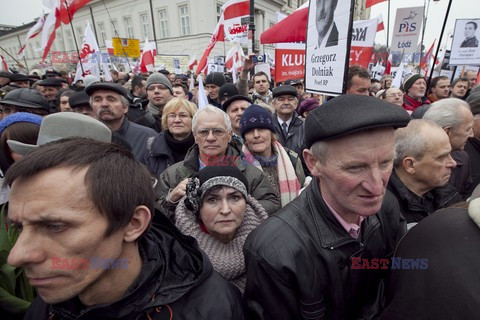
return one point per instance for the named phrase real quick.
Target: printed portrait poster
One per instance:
(328, 46)
(465, 45)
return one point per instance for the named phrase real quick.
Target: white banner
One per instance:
(327, 50)
(465, 49)
(406, 30)
(235, 24)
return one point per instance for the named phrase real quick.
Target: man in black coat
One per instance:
(422, 167)
(302, 262)
(88, 247)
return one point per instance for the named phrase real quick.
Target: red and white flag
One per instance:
(109, 46)
(3, 64)
(202, 99)
(147, 59)
(370, 3)
(426, 60)
(380, 26)
(32, 33)
(91, 57)
(66, 15)
(233, 12)
(193, 62)
(290, 29)
(217, 35)
(235, 20)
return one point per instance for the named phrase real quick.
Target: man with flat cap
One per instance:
(20, 80)
(80, 103)
(50, 90)
(318, 257)
(110, 105)
(288, 126)
(24, 100)
(235, 106)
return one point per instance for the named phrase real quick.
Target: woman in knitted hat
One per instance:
(282, 166)
(218, 212)
(306, 106)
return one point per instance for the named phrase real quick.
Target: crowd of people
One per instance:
(268, 203)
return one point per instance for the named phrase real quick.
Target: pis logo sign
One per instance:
(408, 24)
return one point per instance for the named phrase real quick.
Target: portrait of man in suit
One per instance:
(326, 28)
(471, 40)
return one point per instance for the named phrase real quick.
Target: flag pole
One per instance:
(74, 38)
(439, 42)
(25, 60)
(18, 62)
(388, 22)
(251, 23)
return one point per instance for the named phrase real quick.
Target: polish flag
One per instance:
(370, 3)
(109, 46)
(425, 63)
(202, 99)
(3, 64)
(232, 12)
(32, 33)
(380, 26)
(147, 59)
(217, 35)
(193, 62)
(48, 35)
(291, 29)
(73, 6)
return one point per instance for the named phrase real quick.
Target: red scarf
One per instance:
(411, 104)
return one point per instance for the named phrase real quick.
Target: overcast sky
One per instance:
(16, 12)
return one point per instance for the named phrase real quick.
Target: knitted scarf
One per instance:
(226, 258)
(287, 178)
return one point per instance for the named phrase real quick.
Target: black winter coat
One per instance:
(299, 261)
(295, 136)
(177, 281)
(414, 208)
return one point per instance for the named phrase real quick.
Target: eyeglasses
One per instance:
(173, 116)
(217, 132)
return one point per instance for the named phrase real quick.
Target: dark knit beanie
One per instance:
(216, 78)
(212, 176)
(159, 78)
(255, 117)
(410, 81)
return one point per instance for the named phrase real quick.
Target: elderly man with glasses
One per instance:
(212, 130)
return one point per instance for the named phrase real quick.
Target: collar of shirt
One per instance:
(280, 121)
(352, 228)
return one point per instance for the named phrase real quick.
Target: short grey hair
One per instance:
(122, 98)
(209, 109)
(319, 150)
(410, 142)
(445, 112)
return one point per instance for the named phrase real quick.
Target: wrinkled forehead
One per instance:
(210, 120)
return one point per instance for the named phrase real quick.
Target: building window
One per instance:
(163, 18)
(219, 10)
(103, 33)
(184, 20)
(79, 36)
(145, 26)
(115, 31)
(71, 44)
(129, 27)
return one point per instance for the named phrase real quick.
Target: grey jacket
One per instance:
(136, 136)
(258, 186)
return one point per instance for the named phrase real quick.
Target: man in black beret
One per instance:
(110, 105)
(288, 126)
(80, 103)
(319, 257)
(235, 106)
(20, 80)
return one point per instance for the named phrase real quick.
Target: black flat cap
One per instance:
(228, 90)
(19, 77)
(351, 113)
(281, 90)
(79, 99)
(229, 101)
(51, 82)
(5, 74)
(292, 82)
(106, 86)
(26, 98)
